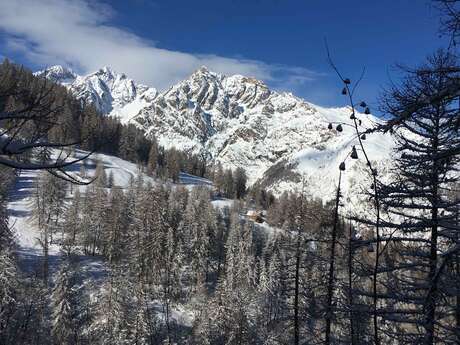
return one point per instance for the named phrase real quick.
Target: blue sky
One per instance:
(279, 41)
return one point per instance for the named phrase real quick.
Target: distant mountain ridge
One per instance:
(279, 139)
(106, 89)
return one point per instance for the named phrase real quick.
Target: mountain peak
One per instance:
(203, 72)
(235, 120)
(105, 71)
(108, 90)
(203, 69)
(58, 74)
(59, 68)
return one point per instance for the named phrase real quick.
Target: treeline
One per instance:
(169, 163)
(229, 183)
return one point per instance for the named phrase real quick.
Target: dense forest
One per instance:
(156, 262)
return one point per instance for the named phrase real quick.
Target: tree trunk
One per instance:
(430, 306)
(457, 284)
(330, 283)
(296, 292)
(350, 284)
(45, 257)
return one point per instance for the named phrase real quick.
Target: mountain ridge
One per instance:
(278, 138)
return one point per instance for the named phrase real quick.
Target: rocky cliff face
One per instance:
(279, 139)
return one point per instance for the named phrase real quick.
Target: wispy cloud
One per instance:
(79, 34)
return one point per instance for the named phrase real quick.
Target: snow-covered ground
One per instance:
(19, 206)
(27, 234)
(222, 203)
(30, 254)
(92, 269)
(192, 180)
(20, 197)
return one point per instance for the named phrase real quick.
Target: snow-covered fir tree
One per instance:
(64, 306)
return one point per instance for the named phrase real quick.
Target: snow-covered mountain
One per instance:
(110, 92)
(278, 138)
(58, 74)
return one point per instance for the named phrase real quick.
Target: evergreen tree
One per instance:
(101, 175)
(199, 228)
(219, 178)
(47, 206)
(173, 164)
(236, 291)
(64, 307)
(72, 222)
(272, 307)
(110, 180)
(152, 162)
(9, 284)
(228, 184)
(421, 213)
(240, 183)
(116, 222)
(110, 324)
(93, 218)
(142, 324)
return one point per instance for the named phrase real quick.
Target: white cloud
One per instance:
(77, 33)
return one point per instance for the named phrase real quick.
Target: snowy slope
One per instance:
(19, 206)
(279, 139)
(319, 167)
(93, 271)
(20, 200)
(110, 92)
(236, 120)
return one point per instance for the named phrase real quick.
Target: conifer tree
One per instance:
(110, 180)
(95, 208)
(421, 213)
(152, 162)
(110, 324)
(64, 306)
(219, 178)
(101, 175)
(228, 184)
(272, 307)
(9, 284)
(72, 222)
(234, 294)
(116, 221)
(173, 164)
(240, 182)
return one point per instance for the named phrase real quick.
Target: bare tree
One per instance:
(360, 131)
(450, 19)
(421, 214)
(332, 254)
(29, 109)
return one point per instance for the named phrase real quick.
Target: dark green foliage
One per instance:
(240, 180)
